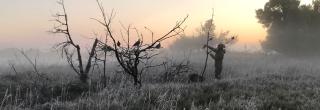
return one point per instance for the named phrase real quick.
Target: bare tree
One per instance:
(175, 70)
(70, 48)
(130, 56)
(101, 57)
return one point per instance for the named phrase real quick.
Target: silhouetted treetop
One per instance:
(195, 42)
(292, 28)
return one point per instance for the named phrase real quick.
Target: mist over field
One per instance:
(250, 81)
(248, 55)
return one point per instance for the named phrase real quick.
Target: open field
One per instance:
(250, 82)
(160, 55)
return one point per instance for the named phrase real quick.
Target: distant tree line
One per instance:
(195, 42)
(292, 28)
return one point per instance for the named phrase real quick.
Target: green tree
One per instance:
(292, 28)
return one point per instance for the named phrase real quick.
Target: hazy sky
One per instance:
(24, 23)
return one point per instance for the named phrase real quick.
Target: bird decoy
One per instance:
(118, 43)
(137, 43)
(158, 46)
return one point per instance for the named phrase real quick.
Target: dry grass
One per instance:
(251, 82)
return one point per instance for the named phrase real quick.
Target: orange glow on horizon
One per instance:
(23, 20)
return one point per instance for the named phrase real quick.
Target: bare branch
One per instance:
(177, 26)
(152, 34)
(34, 65)
(13, 68)
(130, 56)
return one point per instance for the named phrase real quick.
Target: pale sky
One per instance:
(24, 23)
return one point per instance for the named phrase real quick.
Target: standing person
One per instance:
(218, 58)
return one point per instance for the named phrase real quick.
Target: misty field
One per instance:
(250, 82)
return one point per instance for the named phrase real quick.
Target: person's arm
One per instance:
(211, 55)
(211, 48)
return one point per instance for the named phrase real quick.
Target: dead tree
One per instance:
(101, 57)
(70, 48)
(130, 56)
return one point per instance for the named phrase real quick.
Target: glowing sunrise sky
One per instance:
(24, 23)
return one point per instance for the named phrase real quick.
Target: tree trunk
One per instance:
(104, 77)
(91, 55)
(137, 82)
(84, 73)
(84, 77)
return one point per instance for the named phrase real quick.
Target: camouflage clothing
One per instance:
(218, 58)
